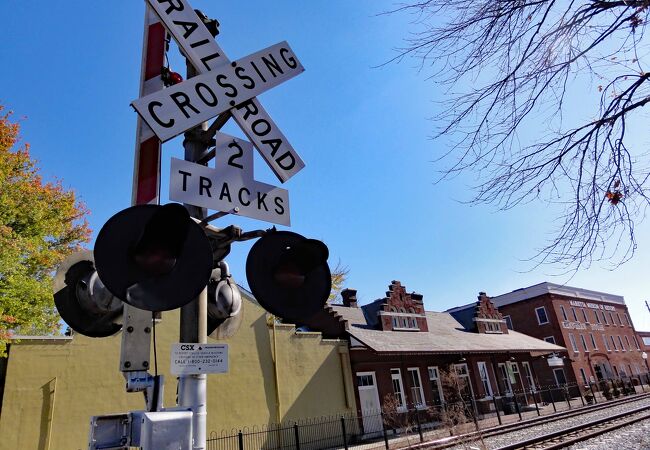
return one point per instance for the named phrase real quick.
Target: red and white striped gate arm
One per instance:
(146, 172)
(136, 345)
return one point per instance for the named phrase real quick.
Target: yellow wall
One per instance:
(52, 388)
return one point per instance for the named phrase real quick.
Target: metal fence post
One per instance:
(240, 438)
(517, 405)
(296, 435)
(535, 400)
(591, 386)
(496, 408)
(474, 412)
(417, 419)
(345, 435)
(550, 393)
(383, 427)
(581, 397)
(566, 397)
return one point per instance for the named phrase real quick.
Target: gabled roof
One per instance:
(445, 335)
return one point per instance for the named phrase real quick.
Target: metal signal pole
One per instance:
(192, 389)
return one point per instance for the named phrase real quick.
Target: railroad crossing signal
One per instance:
(156, 258)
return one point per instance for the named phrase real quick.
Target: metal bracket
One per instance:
(136, 340)
(218, 215)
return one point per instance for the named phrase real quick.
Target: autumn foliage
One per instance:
(40, 224)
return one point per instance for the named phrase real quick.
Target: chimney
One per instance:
(349, 298)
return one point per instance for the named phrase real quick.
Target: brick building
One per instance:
(594, 327)
(400, 351)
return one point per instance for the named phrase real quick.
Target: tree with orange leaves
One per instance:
(40, 224)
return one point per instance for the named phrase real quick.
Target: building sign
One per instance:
(574, 325)
(195, 359)
(591, 305)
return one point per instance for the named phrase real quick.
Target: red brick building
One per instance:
(594, 327)
(400, 351)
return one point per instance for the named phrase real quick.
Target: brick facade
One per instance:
(598, 334)
(417, 377)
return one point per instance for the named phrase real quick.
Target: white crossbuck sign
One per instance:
(222, 86)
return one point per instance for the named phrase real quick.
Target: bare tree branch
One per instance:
(521, 82)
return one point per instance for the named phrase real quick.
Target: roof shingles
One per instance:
(445, 335)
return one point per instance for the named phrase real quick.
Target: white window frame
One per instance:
(484, 375)
(464, 375)
(607, 347)
(613, 342)
(618, 316)
(583, 374)
(508, 320)
(636, 342)
(417, 390)
(514, 368)
(620, 341)
(627, 341)
(539, 322)
(505, 378)
(434, 375)
(584, 315)
(563, 311)
(604, 317)
(584, 343)
(399, 395)
(627, 319)
(367, 374)
(574, 344)
(528, 373)
(555, 370)
(597, 316)
(593, 341)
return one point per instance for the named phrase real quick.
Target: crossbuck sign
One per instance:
(223, 87)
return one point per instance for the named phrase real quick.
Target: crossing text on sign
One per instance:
(174, 110)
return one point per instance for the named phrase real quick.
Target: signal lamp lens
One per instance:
(175, 77)
(155, 262)
(289, 276)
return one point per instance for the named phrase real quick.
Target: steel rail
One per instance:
(583, 430)
(540, 420)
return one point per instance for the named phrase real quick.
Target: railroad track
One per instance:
(503, 429)
(576, 434)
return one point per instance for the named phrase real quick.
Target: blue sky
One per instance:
(72, 68)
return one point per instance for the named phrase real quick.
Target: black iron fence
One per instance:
(401, 426)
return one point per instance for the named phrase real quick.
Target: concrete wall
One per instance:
(53, 387)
